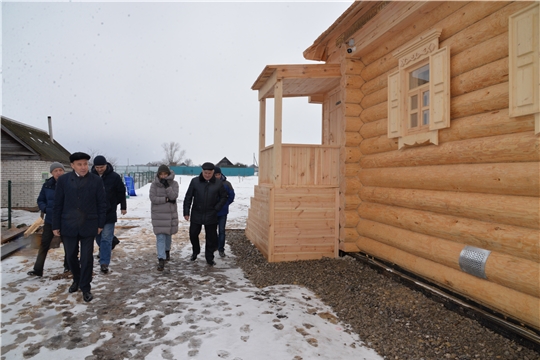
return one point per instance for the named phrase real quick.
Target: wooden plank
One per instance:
(300, 240)
(304, 249)
(306, 214)
(297, 256)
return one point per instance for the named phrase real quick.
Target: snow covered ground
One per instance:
(188, 311)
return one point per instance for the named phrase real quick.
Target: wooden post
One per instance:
(278, 131)
(262, 130)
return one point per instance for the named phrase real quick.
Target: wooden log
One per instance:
(376, 84)
(353, 154)
(352, 202)
(511, 240)
(379, 59)
(492, 98)
(479, 125)
(491, 50)
(352, 138)
(352, 123)
(519, 147)
(351, 218)
(452, 26)
(515, 304)
(483, 125)
(353, 185)
(480, 31)
(374, 129)
(505, 209)
(482, 77)
(401, 34)
(352, 81)
(385, 64)
(374, 113)
(521, 178)
(523, 277)
(374, 98)
(350, 235)
(379, 144)
(351, 169)
(352, 95)
(352, 110)
(349, 247)
(351, 66)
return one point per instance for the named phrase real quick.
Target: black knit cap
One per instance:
(163, 169)
(208, 166)
(100, 160)
(217, 170)
(78, 156)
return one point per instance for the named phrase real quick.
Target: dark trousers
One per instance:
(82, 273)
(211, 240)
(46, 239)
(222, 221)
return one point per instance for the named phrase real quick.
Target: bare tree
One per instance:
(173, 153)
(188, 162)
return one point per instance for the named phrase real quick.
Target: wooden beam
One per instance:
(278, 132)
(268, 86)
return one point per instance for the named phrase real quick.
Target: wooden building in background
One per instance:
(429, 157)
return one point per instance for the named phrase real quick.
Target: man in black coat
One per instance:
(115, 191)
(78, 216)
(208, 197)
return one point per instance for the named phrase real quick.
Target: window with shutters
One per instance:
(524, 64)
(419, 92)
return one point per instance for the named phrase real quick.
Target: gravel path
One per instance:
(399, 323)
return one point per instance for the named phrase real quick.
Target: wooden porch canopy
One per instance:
(298, 80)
(280, 81)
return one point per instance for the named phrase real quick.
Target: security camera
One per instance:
(349, 50)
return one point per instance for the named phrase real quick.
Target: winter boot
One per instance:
(161, 265)
(168, 255)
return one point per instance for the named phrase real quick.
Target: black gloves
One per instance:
(164, 182)
(171, 200)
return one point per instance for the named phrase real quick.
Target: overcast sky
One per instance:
(121, 78)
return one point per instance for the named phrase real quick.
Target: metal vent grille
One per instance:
(472, 260)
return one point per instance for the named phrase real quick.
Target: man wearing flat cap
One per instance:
(79, 212)
(208, 197)
(115, 191)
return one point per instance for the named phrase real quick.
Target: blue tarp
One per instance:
(130, 185)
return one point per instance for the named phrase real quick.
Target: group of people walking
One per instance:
(81, 206)
(206, 203)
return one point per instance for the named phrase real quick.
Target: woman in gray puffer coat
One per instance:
(164, 211)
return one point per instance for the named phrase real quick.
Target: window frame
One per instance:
(416, 54)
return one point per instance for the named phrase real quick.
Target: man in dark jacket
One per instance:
(222, 214)
(116, 194)
(45, 203)
(208, 196)
(79, 212)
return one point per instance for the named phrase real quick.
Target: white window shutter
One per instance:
(394, 100)
(524, 64)
(439, 89)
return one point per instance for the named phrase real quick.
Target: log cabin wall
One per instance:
(419, 207)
